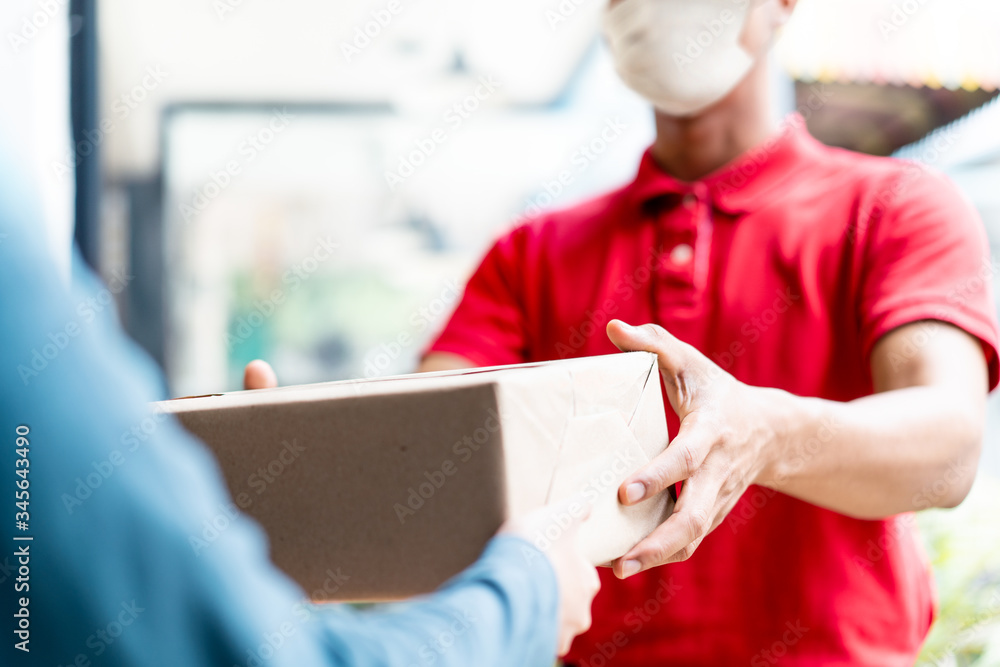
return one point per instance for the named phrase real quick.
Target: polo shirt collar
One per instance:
(740, 186)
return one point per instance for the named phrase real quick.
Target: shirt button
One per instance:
(690, 200)
(682, 254)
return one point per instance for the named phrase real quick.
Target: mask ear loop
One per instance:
(621, 20)
(752, 5)
(617, 16)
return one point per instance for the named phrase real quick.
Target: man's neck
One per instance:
(691, 148)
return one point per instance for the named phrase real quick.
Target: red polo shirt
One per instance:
(785, 267)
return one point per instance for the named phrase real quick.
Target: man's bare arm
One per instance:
(913, 445)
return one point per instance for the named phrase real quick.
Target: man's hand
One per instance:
(717, 452)
(912, 445)
(259, 375)
(577, 579)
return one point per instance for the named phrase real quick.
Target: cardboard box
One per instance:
(382, 489)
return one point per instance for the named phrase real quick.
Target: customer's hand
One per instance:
(259, 375)
(554, 529)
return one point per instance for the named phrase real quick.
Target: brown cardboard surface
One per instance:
(382, 489)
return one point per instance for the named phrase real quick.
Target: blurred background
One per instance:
(312, 182)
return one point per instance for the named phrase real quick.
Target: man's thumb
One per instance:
(647, 338)
(683, 368)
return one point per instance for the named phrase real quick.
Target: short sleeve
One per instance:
(489, 325)
(926, 257)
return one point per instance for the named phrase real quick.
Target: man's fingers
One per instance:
(259, 375)
(683, 368)
(647, 338)
(678, 462)
(676, 538)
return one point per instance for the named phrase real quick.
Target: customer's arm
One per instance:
(136, 556)
(487, 615)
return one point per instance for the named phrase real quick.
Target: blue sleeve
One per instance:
(111, 574)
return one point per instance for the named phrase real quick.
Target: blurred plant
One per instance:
(964, 547)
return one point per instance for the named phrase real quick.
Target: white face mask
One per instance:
(681, 55)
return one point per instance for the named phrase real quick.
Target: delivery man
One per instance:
(827, 339)
(102, 504)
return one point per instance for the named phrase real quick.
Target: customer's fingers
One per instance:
(259, 375)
